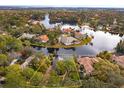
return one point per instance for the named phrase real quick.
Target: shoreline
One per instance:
(83, 42)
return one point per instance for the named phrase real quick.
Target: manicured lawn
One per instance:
(83, 42)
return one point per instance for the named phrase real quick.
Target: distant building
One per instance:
(118, 59)
(115, 22)
(123, 37)
(78, 35)
(100, 27)
(2, 80)
(86, 27)
(26, 25)
(67, 30)
(14, 26)
(43, 38)
(3, 33)
(27, 35)
(34, 22)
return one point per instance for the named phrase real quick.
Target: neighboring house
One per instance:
(86, 27)
(118, 59)
(78, 35)
(67, 30)
(43, 38)
(87, 62)
(26, 25)
(26, 35)
(123, 37)
(100, 27)
(108, 27)
(68, 40)
(2, 80)
(85, 35)
(14, 26)
(115, 22)
(3, 33)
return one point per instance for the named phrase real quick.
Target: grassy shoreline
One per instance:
(83, 42)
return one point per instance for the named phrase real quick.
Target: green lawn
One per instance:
(83, 42)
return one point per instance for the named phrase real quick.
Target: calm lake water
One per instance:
(102, 41)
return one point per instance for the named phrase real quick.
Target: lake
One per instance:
(102, 41)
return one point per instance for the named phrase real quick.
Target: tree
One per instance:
(3, 60)
(54, 80)
(120, 47)
(116, 79)
(27, 51)
(8, 43)
(60, 68)
(37, 79)
(14, 79)
(103, 68)
(27, 43)
(95, 83)
(104, 55)
(2, 71)
(36, 29)
(33, 77)
(72, 69)
(42, 64)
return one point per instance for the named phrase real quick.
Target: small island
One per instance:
(65, 38)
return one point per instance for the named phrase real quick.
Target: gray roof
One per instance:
(67, 40)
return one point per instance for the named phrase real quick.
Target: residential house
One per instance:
(26, 25)
(68, 40)
(3, 33)
(108, 27)
(118, 59)
(27, 35)
(123, 37)
(86, 27)
(115, 22)
(2, 80)
(43, 38)
(78, 35)
(100, 27)
(87, 62)
(14, 26)
(67, 30)
(34, 22)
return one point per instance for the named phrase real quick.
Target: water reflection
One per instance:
(46, 22)
(101, 41)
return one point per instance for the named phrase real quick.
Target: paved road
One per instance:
(13, 61)
(27, 61)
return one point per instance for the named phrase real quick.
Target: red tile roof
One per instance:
(118, 59)
(87, 62)
(67, 30)
(43, 38)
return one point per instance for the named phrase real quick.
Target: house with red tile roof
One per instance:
(43, 38)
(87, 62)
(67, 30)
